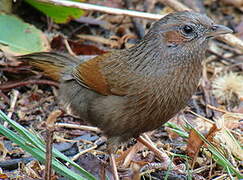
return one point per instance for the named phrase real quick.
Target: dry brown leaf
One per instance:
(195, 142)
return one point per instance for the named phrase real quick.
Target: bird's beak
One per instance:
(218, 30)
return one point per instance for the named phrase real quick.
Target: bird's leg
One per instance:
(112, 146)
(146, 141)
(113, 166)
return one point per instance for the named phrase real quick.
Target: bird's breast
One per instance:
(159, 98)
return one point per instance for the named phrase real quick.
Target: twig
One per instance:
(75, 126)
(49, 141)
(198, 115)
(223, 176)
(8, 86)
(69, 49)
(12, 105)
(74, 158)
(153, 166)
(60, 139)
(225, 61)
(201, 169)
(145, 140)
(114, 168)
(82, 152)
(217, 109)
(109, 10)
(231, 40)
(98, 39)
(13, 102)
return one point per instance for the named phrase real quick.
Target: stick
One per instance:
(74, 158)
(109, 10)
(49, 141)
(76, 126)
(13, 102)
(150, 145)
(114, 168)
(12, 105)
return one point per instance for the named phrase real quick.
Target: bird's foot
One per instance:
(161, 154)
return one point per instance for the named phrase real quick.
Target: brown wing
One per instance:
(104, 74)
(89, 75)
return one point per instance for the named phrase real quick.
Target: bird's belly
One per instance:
(76, 98)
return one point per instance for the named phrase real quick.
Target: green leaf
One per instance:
(174, 127)
(33, 145)
(59, 14)
(17, 37)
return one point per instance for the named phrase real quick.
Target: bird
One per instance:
(130, 91)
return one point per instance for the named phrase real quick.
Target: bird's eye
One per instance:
(187, 29)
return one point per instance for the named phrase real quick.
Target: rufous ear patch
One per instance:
(174, 37)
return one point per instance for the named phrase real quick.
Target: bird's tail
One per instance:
(53, 65)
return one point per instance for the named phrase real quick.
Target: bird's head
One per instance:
(180, 28)
(184, 33)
